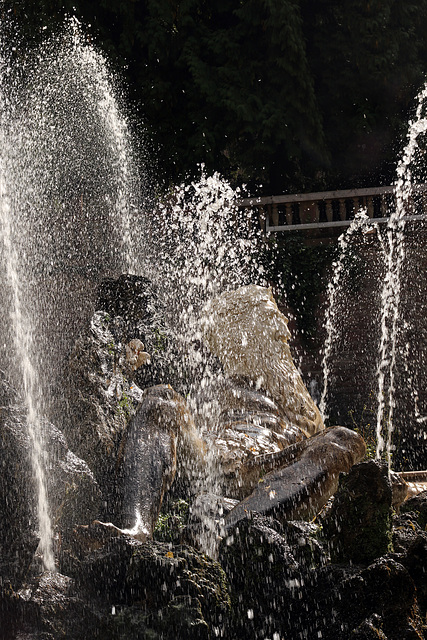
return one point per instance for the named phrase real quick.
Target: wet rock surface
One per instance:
(116, 588)
(355, 572)
(74, 495)
(359, 523)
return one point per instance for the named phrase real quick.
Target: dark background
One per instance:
(282, 95)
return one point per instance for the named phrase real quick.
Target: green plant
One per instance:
(160, 340)
(171, 523)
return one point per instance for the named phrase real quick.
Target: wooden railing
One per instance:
(332, 208)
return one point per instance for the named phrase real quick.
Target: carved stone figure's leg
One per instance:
(150, 457)
(300, 489)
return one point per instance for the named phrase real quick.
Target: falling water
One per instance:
(68, 205)
(360, 222)
(391, 290)
(22, 341)
(203, 245)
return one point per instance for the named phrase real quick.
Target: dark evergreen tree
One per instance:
(365, 59)
(292, 94)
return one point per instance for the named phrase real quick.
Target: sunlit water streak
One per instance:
(22, 336)
(69, 200)
(202, 245)
(331, 320)
(391, 289)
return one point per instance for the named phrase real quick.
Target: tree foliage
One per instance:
(291, 94)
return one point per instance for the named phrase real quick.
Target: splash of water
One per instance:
(359, 223)
(22, 342)
(203, 245)
(69, 194)
(391, 290)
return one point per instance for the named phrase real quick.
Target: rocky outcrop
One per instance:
(73, 494)
(359, 522)
(115, 588)
(284, 584)
(417, 505)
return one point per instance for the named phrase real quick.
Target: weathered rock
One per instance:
(100, 400)
(72, 491)
(415, 561)
(358, 525)
(148, 582)
(265, 578)
(131, 297)
(405, 531)
(302, 488)
(418, 505)
(74, 495)
(18, 523)
(180, 619)
(385, 588)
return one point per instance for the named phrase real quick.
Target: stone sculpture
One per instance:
(257, 416)
(247, 332)
(264, 406)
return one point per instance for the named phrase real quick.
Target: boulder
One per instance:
(418, 505)
(266, 581)
(359, 524)
(72, 491)
(386, 589)
(148, 583)
(415, 561)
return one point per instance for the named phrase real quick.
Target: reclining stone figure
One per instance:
(271, 446)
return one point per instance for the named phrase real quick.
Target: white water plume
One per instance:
(391, 290)
(69, 199)
(359, 223)
(202, 245)
(22, 335)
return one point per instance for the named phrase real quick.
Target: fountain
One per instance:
(381, 312)
(94, 292)
(68, 185)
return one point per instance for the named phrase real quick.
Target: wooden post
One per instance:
(329, 211)
(370, 206)
(288, 210)
(275, 215)
(343, 211)
(356, 205)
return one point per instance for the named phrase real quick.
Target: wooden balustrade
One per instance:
(325, 209)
